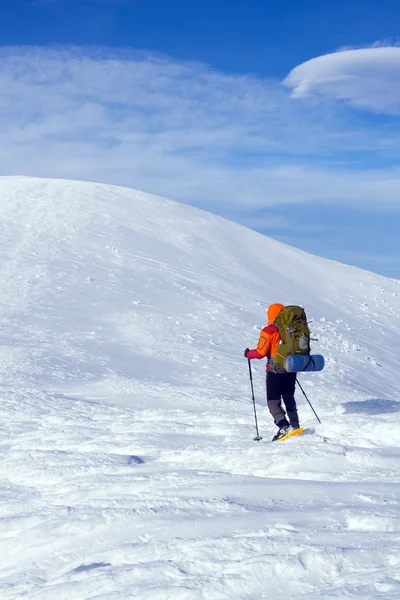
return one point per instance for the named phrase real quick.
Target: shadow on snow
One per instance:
(373, 406)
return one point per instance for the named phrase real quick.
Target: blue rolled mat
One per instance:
(303, 362)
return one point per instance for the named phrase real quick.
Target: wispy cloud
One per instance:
(217, 141)
(368, 78)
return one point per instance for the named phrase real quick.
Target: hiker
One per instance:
(279, 383)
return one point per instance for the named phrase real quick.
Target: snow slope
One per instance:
(128, 467)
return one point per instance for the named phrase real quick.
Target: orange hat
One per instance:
(273, 311)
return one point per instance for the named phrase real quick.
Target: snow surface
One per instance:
(128, 466)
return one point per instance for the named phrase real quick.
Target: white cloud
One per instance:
(368, 78)
(222, 142)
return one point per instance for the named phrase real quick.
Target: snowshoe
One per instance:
(282, 431)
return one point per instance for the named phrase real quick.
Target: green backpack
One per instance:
(294, 332)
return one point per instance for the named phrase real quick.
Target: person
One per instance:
(280, 384)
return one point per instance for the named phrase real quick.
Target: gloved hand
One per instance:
(246, 351)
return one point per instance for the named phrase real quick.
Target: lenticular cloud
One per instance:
(367, 78)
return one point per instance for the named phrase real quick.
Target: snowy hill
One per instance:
(128, 463)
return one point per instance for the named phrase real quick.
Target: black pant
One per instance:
(280, 386)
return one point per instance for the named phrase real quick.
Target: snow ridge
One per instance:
(128, 465)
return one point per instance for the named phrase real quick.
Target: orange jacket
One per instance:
(269, 336)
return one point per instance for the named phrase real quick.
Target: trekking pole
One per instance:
(258, 437)
(308, 400)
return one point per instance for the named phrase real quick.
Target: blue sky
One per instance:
(283, 116)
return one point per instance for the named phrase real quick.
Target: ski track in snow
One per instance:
(128, 467)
